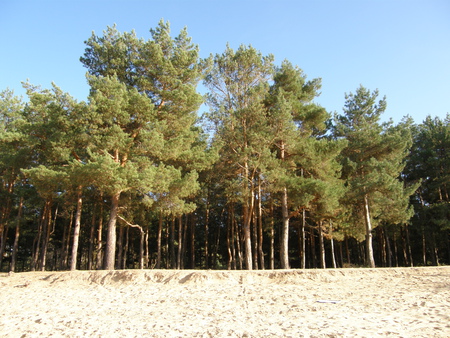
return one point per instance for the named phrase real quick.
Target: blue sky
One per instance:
(400, 47)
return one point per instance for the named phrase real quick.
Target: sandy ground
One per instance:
(400, 302)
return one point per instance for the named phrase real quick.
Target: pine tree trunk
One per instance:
(172, 244)
(239, 245)
(216, 248)
(76, 230)
(347, 251)
(394, 240)
(260, 229)
(110, 252)
(17, 236)
(369, 245)
(92, 239)
(180, 241)
(313, 249)
(408, 246)
(141, 248)
(303, 241)
(234, 234)
(247, 238)
(125, 248)
(255, 239)
(229, 240)
(183, 252)
(46, 234)
(6, 212)
(247, 217)
(120, 248)
(382, 245)
(99, 248)
(333, 256)
(389, 251)
(322, 247)
(192, 240)
(272, 238)
(207, 235)
(146, 248)
(424, 248)
(284, 235)
(158, 241)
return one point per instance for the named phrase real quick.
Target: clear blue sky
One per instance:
(400, 47)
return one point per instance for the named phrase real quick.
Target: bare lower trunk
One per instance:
(260, 230)
(369, 246)
(322, 247)
(110, 251)
(158, 241)
(99, 248)
(247, 233)
(76, 230)
(180, 241)
(303, 241)
(333, 254)
(16, 238)
(92, 240)
(47, 231)
(284, 236)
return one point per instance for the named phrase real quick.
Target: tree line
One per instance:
(133, 177)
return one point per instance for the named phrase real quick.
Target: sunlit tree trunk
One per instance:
(76, 229)
(110, 252)
(368, 222)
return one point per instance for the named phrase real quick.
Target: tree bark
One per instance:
(247, 217)
(192, 240)
(99, 248)
(110, 252)
(260, 229)
(92, 239)
(17, 236)
(322, 247)
(46, 234)
(158, 241)
(180, 241)
(369, 245)
(76, 230)
(284, 235)
(207, 233)
(333, 255)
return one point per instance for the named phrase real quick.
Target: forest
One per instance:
(136, 178)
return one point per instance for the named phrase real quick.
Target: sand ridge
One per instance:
(396, 302)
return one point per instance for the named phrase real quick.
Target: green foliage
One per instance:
(272, 155)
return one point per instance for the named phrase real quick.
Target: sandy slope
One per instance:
(401, 302)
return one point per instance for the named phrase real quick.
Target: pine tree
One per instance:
(294, 118)
(14, 154)
(145, 106)
(238, 83)
(429, 165)
(372, 163)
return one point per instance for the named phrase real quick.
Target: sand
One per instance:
(397, 302)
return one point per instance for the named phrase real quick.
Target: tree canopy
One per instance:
(134, 177)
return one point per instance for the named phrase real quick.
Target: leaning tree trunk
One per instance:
(110, 251)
